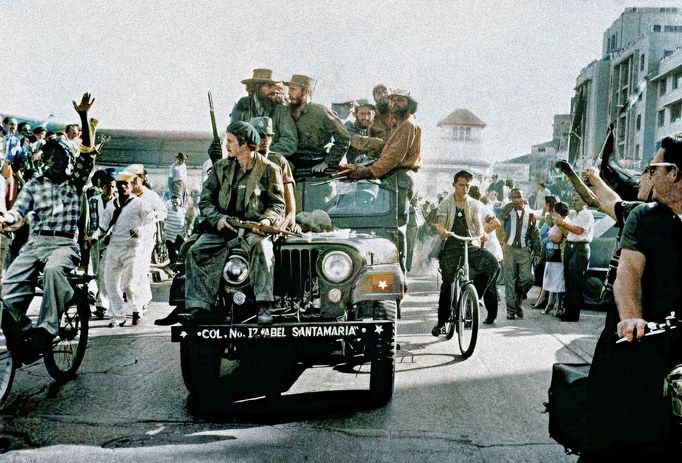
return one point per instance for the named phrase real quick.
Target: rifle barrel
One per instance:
(211, 109)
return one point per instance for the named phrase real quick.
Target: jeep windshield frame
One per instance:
(363, 205)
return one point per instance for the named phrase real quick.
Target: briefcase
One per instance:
(567, 406)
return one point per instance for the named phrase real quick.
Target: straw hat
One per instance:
(260, 75)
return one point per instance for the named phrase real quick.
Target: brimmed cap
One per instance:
(399, 92)
(363, 103)
(244, 130)
(124, 176)
(136, 170)
(261, 75)
(263, 125)
(301, 81)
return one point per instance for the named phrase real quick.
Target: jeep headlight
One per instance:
(337, 266)
(236, 269)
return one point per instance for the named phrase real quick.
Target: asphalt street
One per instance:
(129, 403)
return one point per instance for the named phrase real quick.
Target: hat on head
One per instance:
(136, 170)
(260, 75)
(25, 129)
(364, 103)
(400, 92)
(244, 130)
(263, 125)
(301, 81)
(181, 155)
(124, 176)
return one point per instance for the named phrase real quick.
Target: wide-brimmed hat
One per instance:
(301, 81)
(261, 75)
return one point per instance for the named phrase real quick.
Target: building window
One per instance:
(657, 28)
(677, 80)
(661, 118)
(675, 111)
(639, 122)
(637, 152)
(641, 62)
(541, 150)
(672, 29)
(662, 87)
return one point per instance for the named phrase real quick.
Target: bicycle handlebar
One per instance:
(464, 238)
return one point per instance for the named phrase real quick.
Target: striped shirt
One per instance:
(175, 221)
(54, 207)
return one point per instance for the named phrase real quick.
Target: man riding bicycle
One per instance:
(460, 214)
(53, 200)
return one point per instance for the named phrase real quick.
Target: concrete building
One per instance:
(668, 82)
(618, 88)
(455, 146)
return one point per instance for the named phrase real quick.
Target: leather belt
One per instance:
(56, 233)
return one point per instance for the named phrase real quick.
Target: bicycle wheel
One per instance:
(68, 348)
(467, 321)
(451, 324)
(7, 369)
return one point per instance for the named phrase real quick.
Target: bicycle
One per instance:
(64, 355)
(464, 315)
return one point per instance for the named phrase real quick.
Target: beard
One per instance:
(382, 106)
(400, 112)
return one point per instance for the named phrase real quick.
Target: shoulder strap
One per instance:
(114, 218)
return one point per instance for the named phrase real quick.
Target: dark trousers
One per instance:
(173, 248)
(576, 259)
(483, 270)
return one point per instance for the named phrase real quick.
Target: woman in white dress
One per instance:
(553, 279)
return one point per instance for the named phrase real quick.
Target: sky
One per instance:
(149, 64)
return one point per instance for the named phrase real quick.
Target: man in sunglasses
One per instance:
(626, 381)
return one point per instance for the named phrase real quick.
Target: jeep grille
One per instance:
(296, 272)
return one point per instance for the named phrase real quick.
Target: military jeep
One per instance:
(336, 294)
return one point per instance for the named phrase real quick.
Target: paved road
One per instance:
(129, 404)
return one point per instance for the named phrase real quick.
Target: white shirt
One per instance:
(492, 244)
(135, 214)
(585, 220)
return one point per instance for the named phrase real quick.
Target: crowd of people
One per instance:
(276, 135)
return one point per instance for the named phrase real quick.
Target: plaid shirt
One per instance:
(55, 207)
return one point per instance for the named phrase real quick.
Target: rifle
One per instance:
(251, 226)
(211, 110)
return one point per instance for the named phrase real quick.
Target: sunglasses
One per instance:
(651, 168)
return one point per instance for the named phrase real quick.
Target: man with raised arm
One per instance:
(267, 100)
(54, 200)
(399, 160)
(630, 417)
